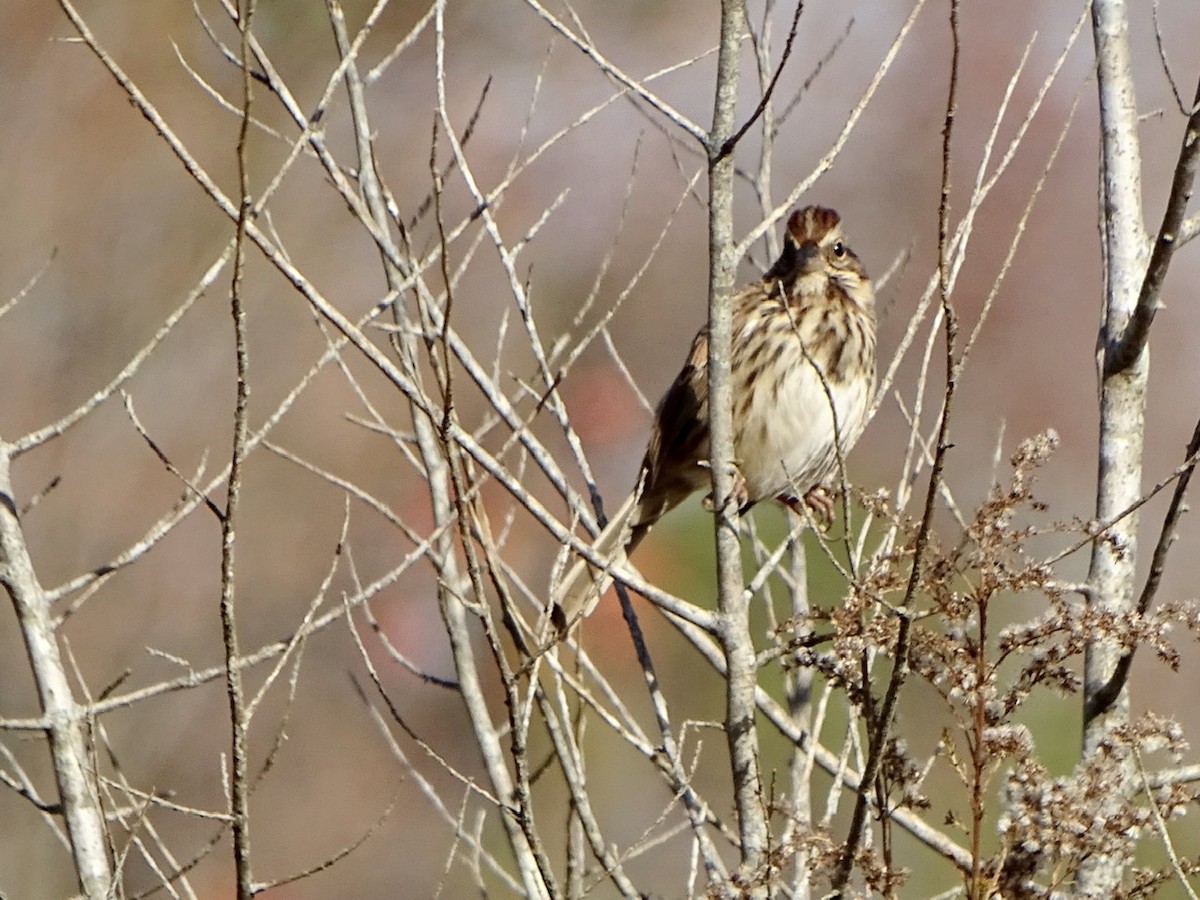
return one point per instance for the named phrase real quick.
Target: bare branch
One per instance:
(65, 720)
(1133, 339)
(1189, 228)
(12, 302)
(769, 91)
(239, 719)
(631, 84)
(880, 724)
(42, 435)
(734, 633)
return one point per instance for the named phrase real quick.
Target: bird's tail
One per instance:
(584, 584)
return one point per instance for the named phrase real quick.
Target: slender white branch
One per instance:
(590, 51)
(65, 719)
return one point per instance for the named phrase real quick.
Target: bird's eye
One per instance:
(839, 249)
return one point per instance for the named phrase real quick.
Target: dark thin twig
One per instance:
(427, 203)
(1162, 56)
(813, 75)
(330, 861)
(1133, 340)
(239, 776)
(40, 495)
(732, 142)
(158, 451)
(1106, 696)
(882, 723)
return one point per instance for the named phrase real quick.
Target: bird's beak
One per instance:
(808, 258)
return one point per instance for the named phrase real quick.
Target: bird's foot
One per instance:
(818, 500)
(740, 494)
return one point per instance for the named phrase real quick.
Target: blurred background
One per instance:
(92, 200)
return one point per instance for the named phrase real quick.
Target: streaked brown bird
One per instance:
(803, 371)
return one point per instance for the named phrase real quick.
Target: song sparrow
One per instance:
(803, 370)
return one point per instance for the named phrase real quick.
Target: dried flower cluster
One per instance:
(973, 640)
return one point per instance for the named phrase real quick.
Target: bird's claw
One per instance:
(740, 494)
(818, 500)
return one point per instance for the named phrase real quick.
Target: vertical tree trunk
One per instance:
(741, 673)
(1122, 391)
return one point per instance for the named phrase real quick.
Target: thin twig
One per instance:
(589, 50)
(1128, 347)
(763, 102)
(1103, 698)
(239, 721)
(881, 724)
(1162, 57)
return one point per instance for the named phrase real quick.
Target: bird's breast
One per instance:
(792, 382)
